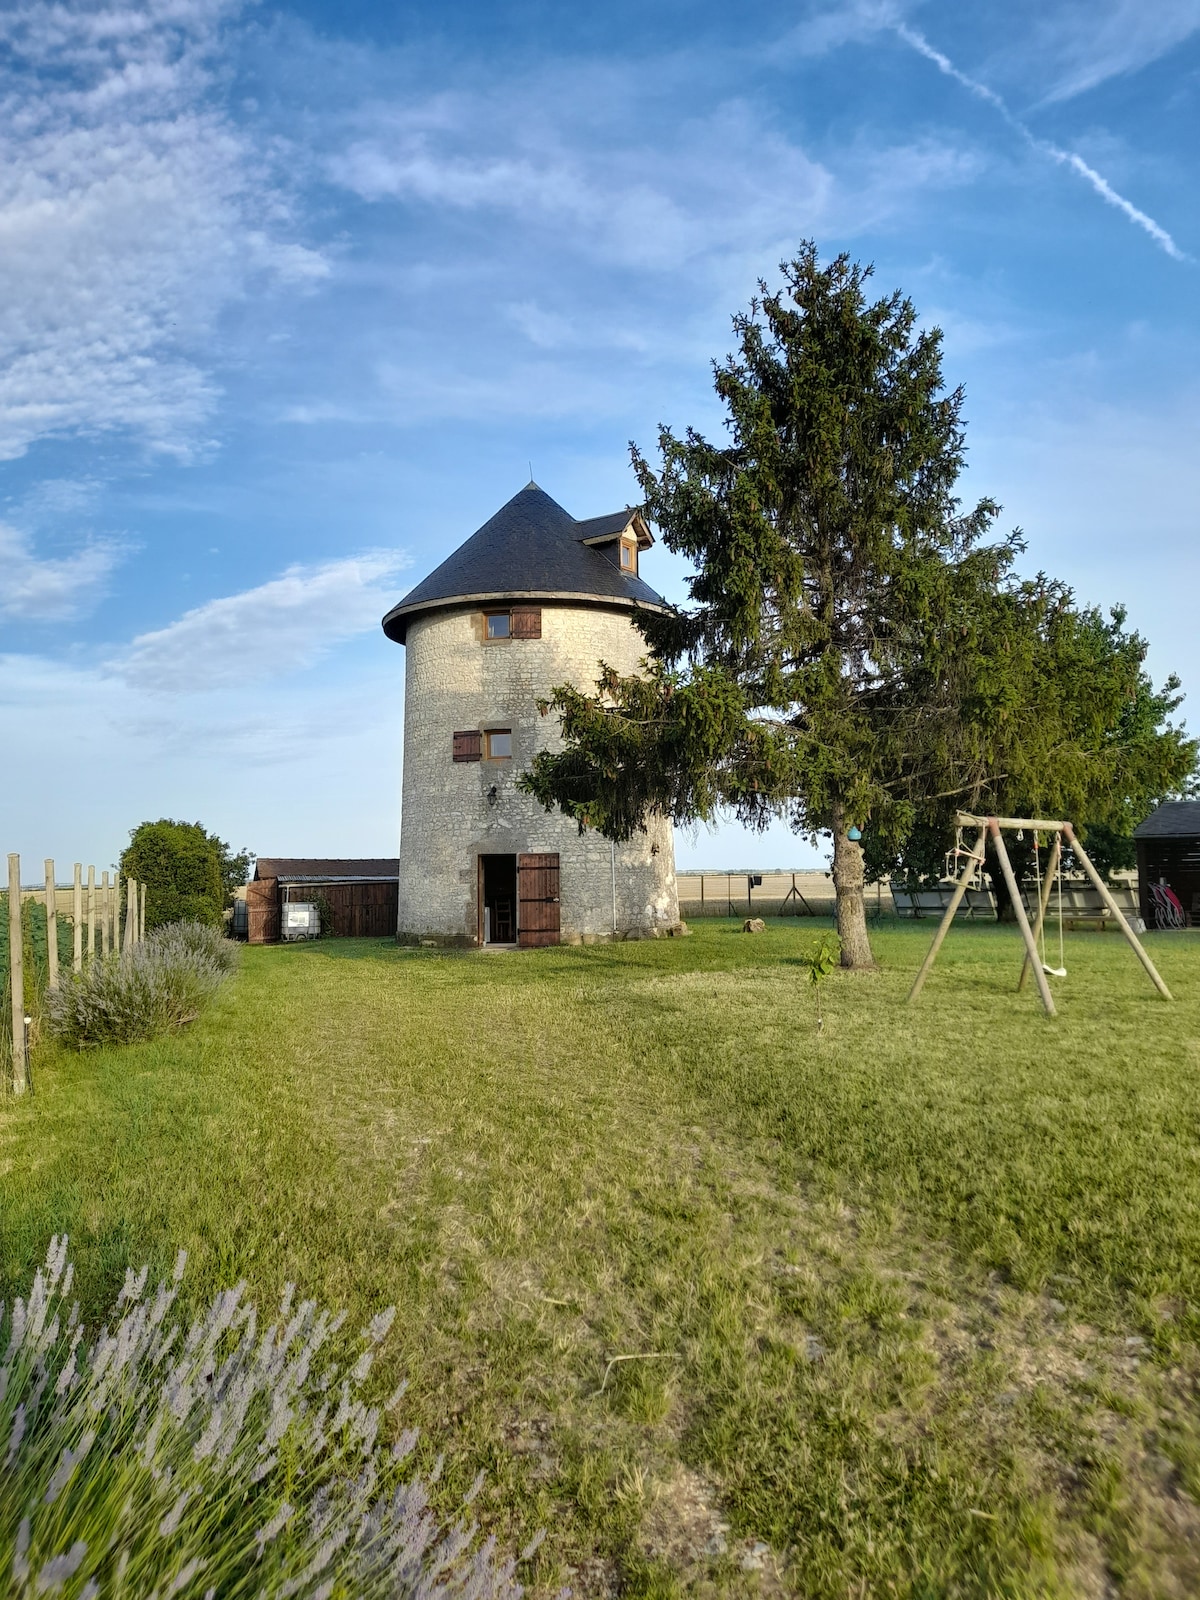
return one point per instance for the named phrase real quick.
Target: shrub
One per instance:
(188, 872)
(187, 940)
(211, 1460)
(162, 983)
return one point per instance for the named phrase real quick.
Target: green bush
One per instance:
(154, 1459)
(162, 983)
(189, 874)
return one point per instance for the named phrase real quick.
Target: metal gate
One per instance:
(537, 900)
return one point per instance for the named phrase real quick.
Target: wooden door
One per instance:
(262, 911)
(537, 900)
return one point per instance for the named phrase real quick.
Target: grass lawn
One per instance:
(907, 1307)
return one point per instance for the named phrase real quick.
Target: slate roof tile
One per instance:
(1174, 819)
(307, 869)
(531, 549)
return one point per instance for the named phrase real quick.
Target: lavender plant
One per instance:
(156, 1460)
(162, 983)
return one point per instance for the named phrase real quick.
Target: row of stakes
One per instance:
(97, 929)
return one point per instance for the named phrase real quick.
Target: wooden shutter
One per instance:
(537, 900)
(468, 746)
(527, 622)
(262, 911)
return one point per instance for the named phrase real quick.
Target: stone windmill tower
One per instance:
(532, 600)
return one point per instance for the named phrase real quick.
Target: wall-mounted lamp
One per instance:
(492, 796)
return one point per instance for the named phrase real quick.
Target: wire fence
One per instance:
(49, 931)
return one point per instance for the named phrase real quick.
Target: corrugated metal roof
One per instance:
(530, 550)
(311, 870)
(1174, 819)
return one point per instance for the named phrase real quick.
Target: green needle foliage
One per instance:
(856, 656)
(1084, 735)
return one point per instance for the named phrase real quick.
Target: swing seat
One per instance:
(1054, 972)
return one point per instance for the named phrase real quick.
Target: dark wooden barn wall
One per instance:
(1178, 862)
(356, 910)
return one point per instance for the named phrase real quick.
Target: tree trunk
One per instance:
(851, 902)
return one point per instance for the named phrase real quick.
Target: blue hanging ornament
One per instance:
(854, 833)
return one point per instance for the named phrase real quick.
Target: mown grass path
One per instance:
(912, 1304)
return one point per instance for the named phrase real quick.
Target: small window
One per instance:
(499, 624)
(628, 557)
(499, 744)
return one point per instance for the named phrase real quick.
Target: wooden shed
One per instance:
(357, 898)
(1168, 858)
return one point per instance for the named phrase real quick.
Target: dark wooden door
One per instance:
(262, 911)
(537, 897)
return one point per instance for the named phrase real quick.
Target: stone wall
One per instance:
(452, 812)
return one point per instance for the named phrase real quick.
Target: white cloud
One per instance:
(1082, 45)
(711, 183)
(302, 769)
(593, 174)
(132, 212)
(827, 28)
(50, 589)
(275, 629)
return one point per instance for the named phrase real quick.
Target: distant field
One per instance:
(912, 1305)
(728, 894)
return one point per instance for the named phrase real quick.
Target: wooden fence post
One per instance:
(130, 912)
(104, 913)
(91, 913)
(116, 912)
(141, 912)
(77, 913)
(16, 976)
(51, 926)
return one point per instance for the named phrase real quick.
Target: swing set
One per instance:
(967, 866)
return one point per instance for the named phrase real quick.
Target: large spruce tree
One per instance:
(832, 667)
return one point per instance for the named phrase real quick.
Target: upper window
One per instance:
(499, 744)
(628, 556)
(522, 622)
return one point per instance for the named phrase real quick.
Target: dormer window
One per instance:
(628, 556)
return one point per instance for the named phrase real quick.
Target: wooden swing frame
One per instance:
(996, 826)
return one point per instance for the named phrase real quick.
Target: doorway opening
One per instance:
(498, 899)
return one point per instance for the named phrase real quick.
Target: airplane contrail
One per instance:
(1065, 158)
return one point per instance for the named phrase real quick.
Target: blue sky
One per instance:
(291, 297)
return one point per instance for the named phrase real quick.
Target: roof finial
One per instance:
(531, 474)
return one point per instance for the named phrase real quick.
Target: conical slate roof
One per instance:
(530, 550)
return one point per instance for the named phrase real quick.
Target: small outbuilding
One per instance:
(354, 898)
(1168, 858)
